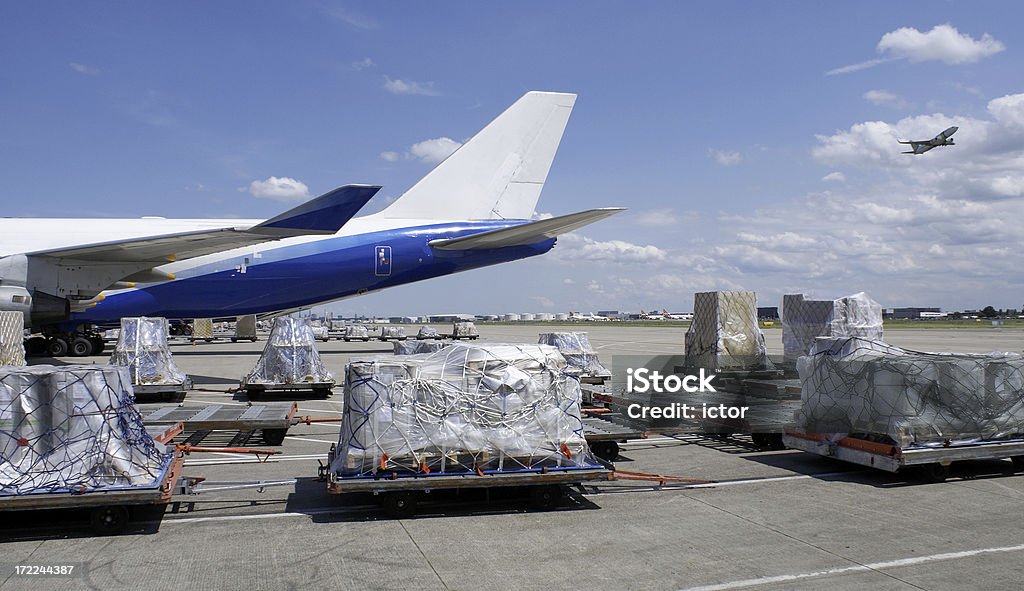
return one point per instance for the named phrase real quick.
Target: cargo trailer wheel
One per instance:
(934, 473)
(768, 440)
(606, 450)
(274, 436)
(546, 496)
(57, 346)
(109, 520)
(1018, 463)
(399, 504)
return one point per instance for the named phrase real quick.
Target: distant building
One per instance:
(768, 313)
(451, 318)
(614, 314)
(911, 313)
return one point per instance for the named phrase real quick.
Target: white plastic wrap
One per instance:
(290, 356)
(724, 333)
(463, 330)
(858, 386)
(73, 428)
(142, 348)
(416, 347)
(462, 409)
(356, 331)
(428, 332)
(580, 357)
(392, 332)
(12, 338)
(805, 320)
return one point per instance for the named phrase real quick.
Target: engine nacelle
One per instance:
(16, 299)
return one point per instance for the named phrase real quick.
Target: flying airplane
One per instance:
(473, 210)
(943, 139)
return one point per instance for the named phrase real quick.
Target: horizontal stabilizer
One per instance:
(324, 215)
(528, 233)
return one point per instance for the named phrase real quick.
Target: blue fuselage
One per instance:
(306, 274)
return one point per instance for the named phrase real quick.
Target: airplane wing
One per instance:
(528, 233)
(322, 215)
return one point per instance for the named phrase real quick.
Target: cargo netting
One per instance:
(462, 409)
(428, 332)
(464, 330)
(12, 338)
(74, 429)
(417, 347)
(863, 387)
(580, 357)
(290, 356)
(805, 320)
(724, 333)
(142, 348)
(392, 332)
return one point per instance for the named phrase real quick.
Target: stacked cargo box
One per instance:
(856, 386)
(290, 356)
(73, 429)
(724, 333)
(417, 347)
(461, 409)
(12, 338)
(580, 357)
(804, 320)
(142, 348)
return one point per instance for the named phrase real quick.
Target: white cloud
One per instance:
(725, 157)
(435, 150)
(279, 189)
(410, 87)
(389, 156)
(84, 69)
(943, 43)
(885, 98)
(353, 18)
(577, 248)
(657, 217)
(363, 64)
(834, 177)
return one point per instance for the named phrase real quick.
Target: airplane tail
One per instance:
(500, 172)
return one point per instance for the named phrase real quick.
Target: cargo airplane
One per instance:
(473, 210)
(943, 139)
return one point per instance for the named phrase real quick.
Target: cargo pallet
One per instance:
(934, 462)
(604, 436)
(272, 420)
(399, 492)
(324, 389)
(165, 391)
(110, 509)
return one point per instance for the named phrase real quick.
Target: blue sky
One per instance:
(754, 143)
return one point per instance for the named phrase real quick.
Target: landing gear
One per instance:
(61, 344)
(82, 346)
(57, 346)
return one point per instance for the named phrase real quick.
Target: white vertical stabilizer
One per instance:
(500, 172)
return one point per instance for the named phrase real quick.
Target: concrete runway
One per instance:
(773, 520)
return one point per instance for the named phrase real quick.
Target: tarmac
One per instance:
(770, 520)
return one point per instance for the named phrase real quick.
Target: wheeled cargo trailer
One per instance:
(399, 492)
(933, 460)
(273, 419)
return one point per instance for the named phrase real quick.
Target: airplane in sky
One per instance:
(473, 210)
(943, 139)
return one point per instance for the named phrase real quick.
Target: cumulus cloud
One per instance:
(725, 157)
(389, 156)
(279, 189)
(834, 177)
(657, 217)
(84, 69)
(435, 150)
(581, 248)
(943, 43)
(410, 87)
(885, 98)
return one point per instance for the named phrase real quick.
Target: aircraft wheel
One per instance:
(57, 347)
(81, 346)
(35, 346)
(98, 345)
